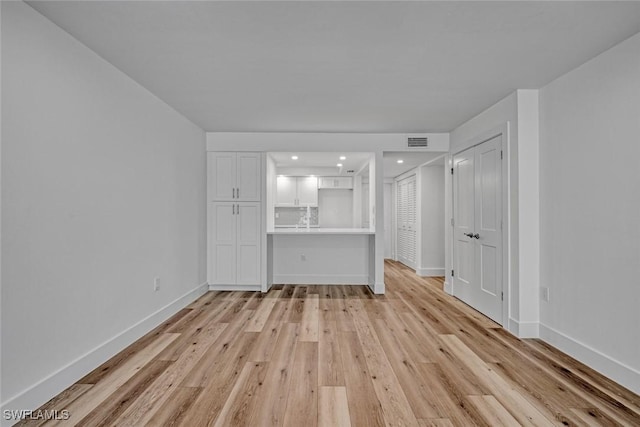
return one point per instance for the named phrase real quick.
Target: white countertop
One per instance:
(320, 230)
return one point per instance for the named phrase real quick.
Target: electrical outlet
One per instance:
(156, 284)
(303, 257)
(544, 293)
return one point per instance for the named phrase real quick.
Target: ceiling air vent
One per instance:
(417, 142)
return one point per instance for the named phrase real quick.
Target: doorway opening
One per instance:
(414, 210)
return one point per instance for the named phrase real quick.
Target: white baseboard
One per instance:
(41, 392)
(235, 287)
(321, 279)
(430, 272)
(606, 365)
(447, 288)
(523, 329)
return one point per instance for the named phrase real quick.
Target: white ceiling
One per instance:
(329, 160)
(410, 160)
(325, 163)
(341, 66)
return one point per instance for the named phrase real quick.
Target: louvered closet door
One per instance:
(406, 218)
(401, 207)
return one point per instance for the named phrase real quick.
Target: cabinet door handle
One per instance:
(233, 209)
(238, 210)
(233, 193)
(238, 193)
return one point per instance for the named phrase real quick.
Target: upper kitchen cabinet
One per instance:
(297, 191)
(234, 176)
(339, 182)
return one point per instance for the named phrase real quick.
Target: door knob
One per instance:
(469, 234)
(475, 236)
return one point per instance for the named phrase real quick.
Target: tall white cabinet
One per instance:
(234, 191)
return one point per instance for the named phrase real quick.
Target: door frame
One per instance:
(502, 131)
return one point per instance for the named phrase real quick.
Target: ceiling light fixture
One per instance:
(294, 157)
(343, 158)
(339, 165)
(400, 161)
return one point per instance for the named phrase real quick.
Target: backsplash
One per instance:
(292, 216)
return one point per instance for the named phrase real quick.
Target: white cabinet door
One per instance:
(221, 175)
(341, 182)
(234, 243)
(222, 243)
(248, 243)
(286, 191)
(234, 176)
(328, 182)
(307, 191)
(248, 174)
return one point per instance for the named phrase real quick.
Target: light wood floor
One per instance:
(337, 355)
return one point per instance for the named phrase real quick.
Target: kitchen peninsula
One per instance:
(319, 232)
(320, 255)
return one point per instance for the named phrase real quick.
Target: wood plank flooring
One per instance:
(340, 356)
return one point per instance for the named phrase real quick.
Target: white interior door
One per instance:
(477, 207)
(406, 221)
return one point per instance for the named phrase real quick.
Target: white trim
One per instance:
(523, 329)
(447, 288)
(40, 392)
(606, 365)
(322, 141)
(407, 174)
(235, 288)
(321, 279)
(381, 288)
(430, 272)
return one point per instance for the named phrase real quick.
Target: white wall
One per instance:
(103, 189)
(517, 117)
(503, 114)
(590, 211)
(271, 186)
(388, 220)
(431, 199)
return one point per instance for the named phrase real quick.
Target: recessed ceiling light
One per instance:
(400, 161)
(343, 158)
(294, 157)
(339, 165)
